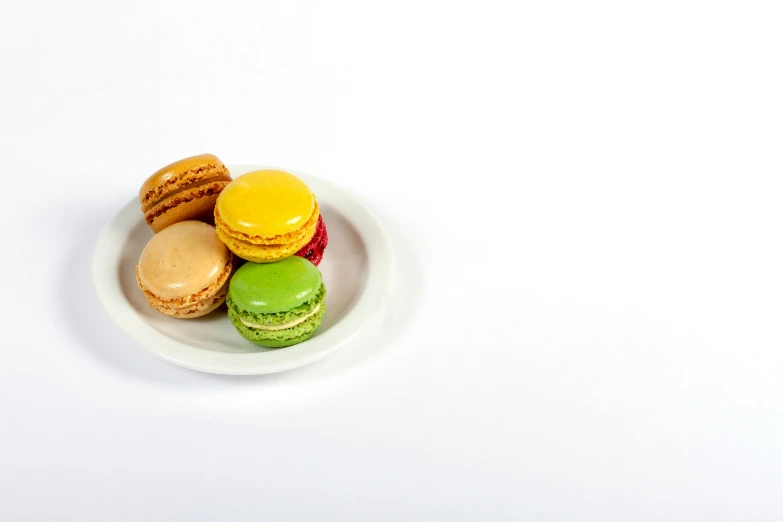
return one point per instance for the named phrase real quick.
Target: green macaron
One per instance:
(277, 304)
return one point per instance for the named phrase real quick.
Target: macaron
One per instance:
(277, 304)
(186, 189)
(266, 215)
(184, 270)
(314, 250)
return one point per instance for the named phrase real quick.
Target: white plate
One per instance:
(358, 271)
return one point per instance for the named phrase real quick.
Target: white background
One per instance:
(586, 202)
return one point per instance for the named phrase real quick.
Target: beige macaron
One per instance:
(184, 270)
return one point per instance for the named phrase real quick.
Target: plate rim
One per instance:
(373, 295)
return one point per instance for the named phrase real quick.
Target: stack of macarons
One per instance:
(207, 224)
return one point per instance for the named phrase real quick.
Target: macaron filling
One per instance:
(282, 326)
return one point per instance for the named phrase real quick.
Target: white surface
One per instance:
(358, 274)
(585, 199)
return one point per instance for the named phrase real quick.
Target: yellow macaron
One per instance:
(266, 215)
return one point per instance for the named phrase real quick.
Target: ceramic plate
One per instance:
(358, 271)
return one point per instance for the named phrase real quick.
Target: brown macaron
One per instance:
(184, 270)
(186, 189)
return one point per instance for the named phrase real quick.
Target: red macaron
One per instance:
(314, 250)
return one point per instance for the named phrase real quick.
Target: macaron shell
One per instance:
(274, 287)
(180, 174)
(196, 203)
(183, 260)
(266, 204)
